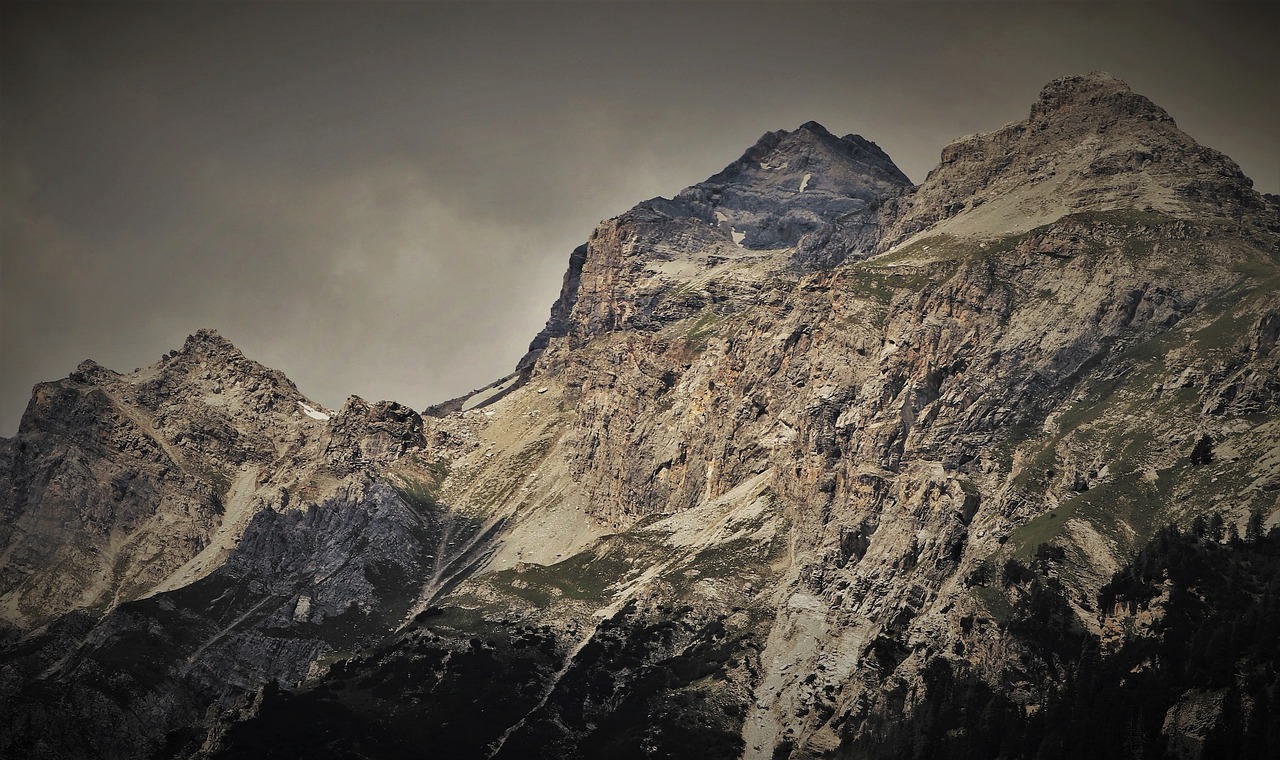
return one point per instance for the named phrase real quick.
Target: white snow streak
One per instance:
(314, 414)
(805, 183)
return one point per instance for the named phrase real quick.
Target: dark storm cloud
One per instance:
(380, 198)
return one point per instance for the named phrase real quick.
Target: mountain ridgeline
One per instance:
(808, 462)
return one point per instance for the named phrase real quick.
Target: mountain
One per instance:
(1089, 144)
(807, 462)
(194, 529)
(787, 201)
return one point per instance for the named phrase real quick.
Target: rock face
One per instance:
(806, 463)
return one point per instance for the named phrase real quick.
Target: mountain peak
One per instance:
(1078, 83)
(792, 183)
(810, 198)
(810, 143)
(1089, 143)
(208, 341)
(814, 127)
(1097, 93)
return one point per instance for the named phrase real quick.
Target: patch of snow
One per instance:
(805, 182)
(726, 224)
(314, 414)
(543, 389)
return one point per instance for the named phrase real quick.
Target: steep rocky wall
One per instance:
(905, 406)
(932, 410)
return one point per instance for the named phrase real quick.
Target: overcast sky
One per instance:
(380, 199)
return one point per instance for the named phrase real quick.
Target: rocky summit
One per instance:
(808, 462)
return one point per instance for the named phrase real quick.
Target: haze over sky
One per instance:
(380, 199)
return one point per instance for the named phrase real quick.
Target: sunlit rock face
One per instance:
(807, 462)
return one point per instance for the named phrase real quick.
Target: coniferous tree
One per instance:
(1253, 528)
